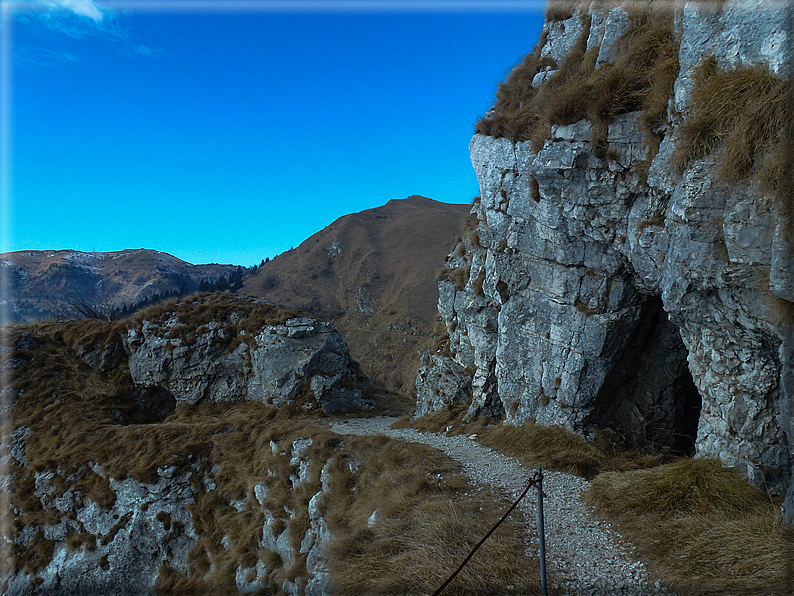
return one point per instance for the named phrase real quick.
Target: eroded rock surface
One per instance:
(120, 548)
(606, 294)
(115, 491)
(275, 363)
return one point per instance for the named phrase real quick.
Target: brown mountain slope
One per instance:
(373, 275)
(38, 283)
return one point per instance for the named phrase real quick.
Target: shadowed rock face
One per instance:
(274, 364)
(656, 304)
(648, 393)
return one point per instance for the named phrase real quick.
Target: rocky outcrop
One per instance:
(275, 363)
(451, 384)
(115, 491)
(610, 291)
(115, 550)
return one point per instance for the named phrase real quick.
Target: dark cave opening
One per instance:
(649, 397)
(145, 405)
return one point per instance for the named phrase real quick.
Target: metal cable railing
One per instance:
(537, 482)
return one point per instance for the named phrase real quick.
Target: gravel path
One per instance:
(584, 555)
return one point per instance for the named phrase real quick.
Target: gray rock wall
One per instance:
(652, 304)
(280, 363)
(124, 547)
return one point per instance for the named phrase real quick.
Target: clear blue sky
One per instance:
(228, 132)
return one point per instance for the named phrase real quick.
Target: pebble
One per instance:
(583, 555)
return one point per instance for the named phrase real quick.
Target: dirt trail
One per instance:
(584, 555)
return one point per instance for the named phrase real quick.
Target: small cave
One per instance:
(144, 405)
(649, 397)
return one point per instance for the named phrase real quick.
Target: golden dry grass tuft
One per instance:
(535, 445)
(560, 10)
(478, 283)
(441, 340)
(239, 316)
(745, 116)
(701, 527)
(641, 77)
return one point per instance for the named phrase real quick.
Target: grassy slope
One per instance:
(429, 515)
(394, 253)
(700, 527)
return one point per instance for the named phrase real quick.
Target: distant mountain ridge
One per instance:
(373, 275)
(38, 283)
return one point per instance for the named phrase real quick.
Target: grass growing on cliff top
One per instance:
(746, 117)
(237, 315)
(641, 77)
(701, 528)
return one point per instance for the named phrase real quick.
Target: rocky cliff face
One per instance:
(146, 454)
(275, 364)
(612, 283)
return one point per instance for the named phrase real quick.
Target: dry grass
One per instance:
(745, 115)
(560, 10)
(234, 313)
(478, 282)
(459, 276)
(239, 316)
(439, 421)
(535, 445)
(79, 415)
(441, 340)
(428, 519)
(640, 78)
(430, 515)
(701, 527)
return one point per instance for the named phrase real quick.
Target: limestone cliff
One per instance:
(632, 266)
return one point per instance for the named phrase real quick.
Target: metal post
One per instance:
(541, 531)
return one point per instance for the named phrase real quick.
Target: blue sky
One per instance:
(229, 131)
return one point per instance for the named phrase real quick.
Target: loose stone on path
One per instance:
(584, 555)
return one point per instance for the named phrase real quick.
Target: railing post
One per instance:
(541, 531)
